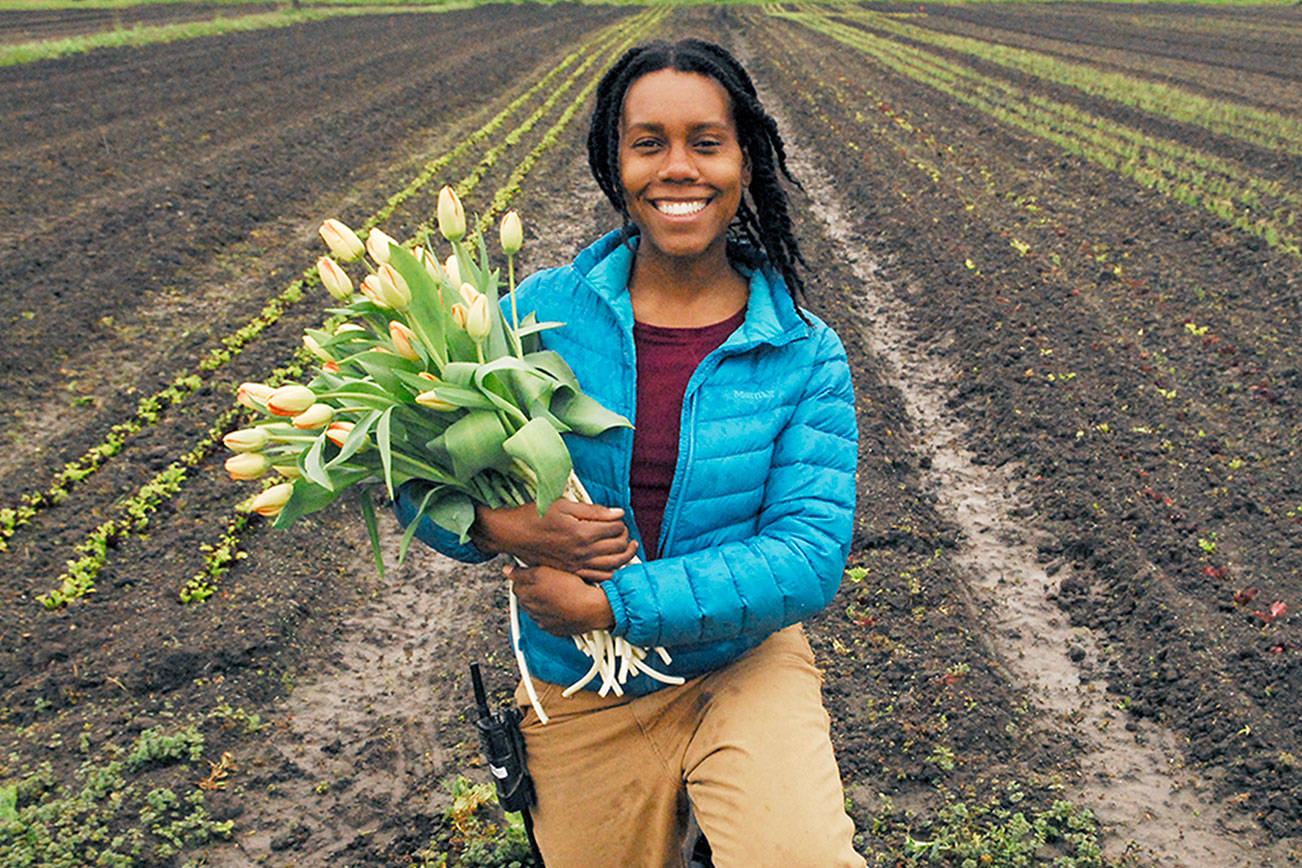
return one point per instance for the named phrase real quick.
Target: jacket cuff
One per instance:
(617, 608)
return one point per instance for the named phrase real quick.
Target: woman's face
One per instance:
(682, 167)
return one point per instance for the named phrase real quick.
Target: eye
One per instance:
(708, 144)
(645, 143)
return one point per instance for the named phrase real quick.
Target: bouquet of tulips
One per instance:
(424, 379)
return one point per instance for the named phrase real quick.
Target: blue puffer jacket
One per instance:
(759, 518)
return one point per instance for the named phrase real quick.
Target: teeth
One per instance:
(679, 209)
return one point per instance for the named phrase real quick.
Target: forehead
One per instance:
(669, 98)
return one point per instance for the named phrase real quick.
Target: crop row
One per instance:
(1181, 172)
(1021, 217)
(1269, 129)
(79, 578)
(185, 383)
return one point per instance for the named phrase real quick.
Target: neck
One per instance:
(683, 292)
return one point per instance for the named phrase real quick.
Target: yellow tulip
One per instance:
(290, 400)
(271, 501)
(334, 279)
(394, 291)
(253, 395)
(315, 348)
(289, 471)
(342, 241)
(404, 341)
(338, 432)
(452, 217)
(315, 416)
(247, 465)
(512, 233)
(377, 244)
(434, 402)
(478, 321)
(246, 440)
(453, 270)
(371, 289)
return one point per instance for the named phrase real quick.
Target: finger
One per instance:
(594, 577)
(589, 511)
(605, 547)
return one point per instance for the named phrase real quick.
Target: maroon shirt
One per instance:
(666, 360)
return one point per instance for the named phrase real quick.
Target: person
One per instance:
(735, 486)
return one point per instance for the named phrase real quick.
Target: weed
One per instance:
(478, 833)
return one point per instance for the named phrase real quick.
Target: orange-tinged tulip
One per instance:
(425, 258)
(290, 400)
(394, 291)
(289, 471)
(338, 432)
(246, 440)
(253, 395)
(452, 217)
(459, 314)
(334, 279)
(342, 241)
(404, 341)
(453, 270)
(315, 349)
(271, 501)
(434, 402)
(349, 327)
(247, 465)
(512, 233)
(316, 416)
(330, 367)
(371, 289)
(377, 244)
(469, 293)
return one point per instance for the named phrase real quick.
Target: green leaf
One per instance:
(527, 329)
(551, 362)
(309, 497)
(372, 530)
(540, 447)
(355, 440)
(413, 524)
(454, 511)
(583, 414)
(313, 468)
(383, 443)
(474, 442)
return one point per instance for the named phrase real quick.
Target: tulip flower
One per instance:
(377, 244)
(452, 217)
(271, 501)
(453, 269)
(512, 233)
(342, 241)
(469, 293)
(290, 400)
(334, 279)
(289, 471)
(247, 465)
(349, 327)
(330, 367)
(316, 416)
(425, 258)
(338, 432)
(315, 349)
(404, 341)
(246, 440)
(478, 321)
(394, 291)
(253, 395)
(459, 315)
(371, 289)
(434, 402)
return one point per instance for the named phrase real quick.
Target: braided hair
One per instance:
(759, 232)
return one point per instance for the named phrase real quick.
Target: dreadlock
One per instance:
(762, 231)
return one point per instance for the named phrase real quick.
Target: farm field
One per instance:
(1060, 241)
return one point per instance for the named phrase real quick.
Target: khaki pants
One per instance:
(748, 745)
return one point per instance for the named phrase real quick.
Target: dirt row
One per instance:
(25, 25)
(1050, 346)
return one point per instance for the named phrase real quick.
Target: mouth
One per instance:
(679, 207)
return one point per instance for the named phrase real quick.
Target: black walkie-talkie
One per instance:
(503, 746)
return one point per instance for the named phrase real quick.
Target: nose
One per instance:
(678, 164)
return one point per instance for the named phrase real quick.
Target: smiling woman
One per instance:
(736, 485)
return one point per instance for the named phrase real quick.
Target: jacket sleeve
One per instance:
(405, 503)
(793, 564)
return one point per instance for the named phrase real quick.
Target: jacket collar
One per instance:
(771, 318)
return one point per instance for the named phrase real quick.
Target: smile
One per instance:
(679, 208)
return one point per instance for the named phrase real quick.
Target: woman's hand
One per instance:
(587, 540)
(560, 602)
